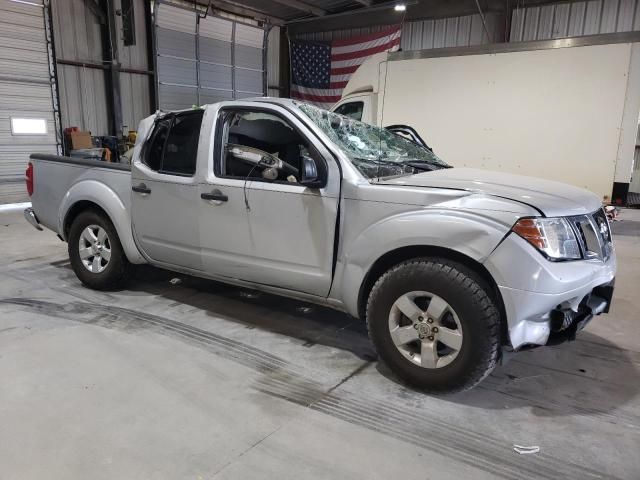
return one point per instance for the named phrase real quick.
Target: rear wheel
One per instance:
(95, 251)
(434, 324)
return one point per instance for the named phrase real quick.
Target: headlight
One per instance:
(554, 237)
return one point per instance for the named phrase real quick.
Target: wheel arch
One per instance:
(76, 209)
(95, 196)
(402, 254)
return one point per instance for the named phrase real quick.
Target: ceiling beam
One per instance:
(366, 3)
(303, 7)
(238, 9)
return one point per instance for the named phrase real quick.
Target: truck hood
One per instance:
(554, 199)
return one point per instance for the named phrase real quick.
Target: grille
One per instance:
(594, 235)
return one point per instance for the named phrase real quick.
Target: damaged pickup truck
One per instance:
(450, 267)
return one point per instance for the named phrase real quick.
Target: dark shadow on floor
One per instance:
(590, 376)
(311, 324)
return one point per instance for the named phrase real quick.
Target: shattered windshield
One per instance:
(375, 152)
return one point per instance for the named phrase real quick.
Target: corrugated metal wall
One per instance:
(204, 60)
(451, 32)
(134, 87)
(83, 90)
(571, 19)
(434, 33)
(25, 92)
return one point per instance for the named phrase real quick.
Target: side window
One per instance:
(152, 157)
(181, 148)
(258, 144)
(173, 146)
(351, 109)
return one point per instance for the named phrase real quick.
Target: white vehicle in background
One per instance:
(530, 108)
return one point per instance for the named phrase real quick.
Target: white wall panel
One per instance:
(136, 103)
(83, 99)
(83, 91)
(524, 112)
(216, 28)
(135, 56)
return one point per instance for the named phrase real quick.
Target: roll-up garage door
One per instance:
(27, 112)
(208, 59)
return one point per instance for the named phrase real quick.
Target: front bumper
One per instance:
(548, 302)
(30, 216)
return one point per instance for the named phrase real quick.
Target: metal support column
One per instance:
(114, 69)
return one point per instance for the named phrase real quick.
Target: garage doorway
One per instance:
(27, 93)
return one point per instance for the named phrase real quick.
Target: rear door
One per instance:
(165, 192)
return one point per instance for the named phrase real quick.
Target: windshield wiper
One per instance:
(424, 165)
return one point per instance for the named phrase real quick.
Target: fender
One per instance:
(474, 235)
(107, 199)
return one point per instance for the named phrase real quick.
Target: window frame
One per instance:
(172, 117)
(361, 102)
(219, 143)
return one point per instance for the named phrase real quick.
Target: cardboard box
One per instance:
(80, 140)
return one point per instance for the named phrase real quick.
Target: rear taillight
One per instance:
(29, 178)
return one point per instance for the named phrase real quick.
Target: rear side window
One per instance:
(153, 153)
(174, 144)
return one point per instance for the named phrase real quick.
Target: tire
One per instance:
(470, 323)
(101, 274)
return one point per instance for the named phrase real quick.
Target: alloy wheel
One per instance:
(94, 247)
(425, 329)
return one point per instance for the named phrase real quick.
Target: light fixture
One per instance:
(28, 126)
(400, 7)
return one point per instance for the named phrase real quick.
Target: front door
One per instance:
(165, 192)
(259, 223)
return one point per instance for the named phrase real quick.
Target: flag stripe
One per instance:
(339, 85)
(365, 38)
(318, 92)
(356, 47)
(340, 78)
(344, 70)
(315, 98)
(354, 62)
(361, 54)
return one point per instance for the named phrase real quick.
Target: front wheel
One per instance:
(95, 251)
(434, 324)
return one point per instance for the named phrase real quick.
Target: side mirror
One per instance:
(310, 177)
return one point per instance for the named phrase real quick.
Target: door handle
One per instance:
(216, 196)
(142, 188)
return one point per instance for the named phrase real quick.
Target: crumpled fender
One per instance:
(103, 196)
(475, 235)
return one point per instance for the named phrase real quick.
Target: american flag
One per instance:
(321, 70)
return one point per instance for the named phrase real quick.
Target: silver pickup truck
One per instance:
(450, 267)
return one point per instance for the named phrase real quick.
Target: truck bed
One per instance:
(55, 176)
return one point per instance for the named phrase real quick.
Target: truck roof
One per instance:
(287, 102)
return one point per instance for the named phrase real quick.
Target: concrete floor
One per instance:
(200, 380)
